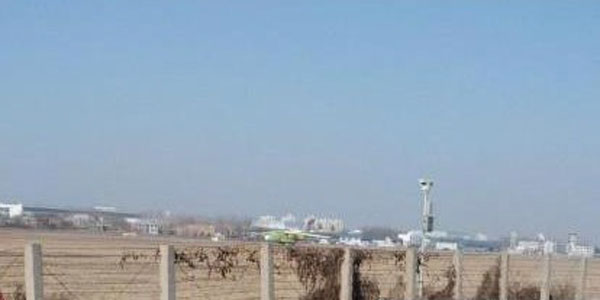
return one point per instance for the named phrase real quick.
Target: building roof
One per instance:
(50, 211)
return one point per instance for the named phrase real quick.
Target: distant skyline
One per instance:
(338, 108)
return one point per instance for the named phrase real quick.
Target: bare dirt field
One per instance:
(90, 266)
(94, 266)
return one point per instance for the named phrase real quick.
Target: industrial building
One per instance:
(540, 246)
(323, 225)
(574, 248)
(8, 211)
(312, 224)
(96, 219)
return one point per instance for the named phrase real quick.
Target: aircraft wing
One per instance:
(315, 236)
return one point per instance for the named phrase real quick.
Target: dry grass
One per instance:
(84, 266)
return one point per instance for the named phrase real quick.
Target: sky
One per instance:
(334, 108)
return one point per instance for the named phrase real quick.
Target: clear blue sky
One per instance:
(332, 107)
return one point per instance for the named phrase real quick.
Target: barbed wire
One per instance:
(7, 267)
(133, 278)
(13, 250)
(564, 269)
(57, 278)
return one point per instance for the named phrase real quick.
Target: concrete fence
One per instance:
(414, 266)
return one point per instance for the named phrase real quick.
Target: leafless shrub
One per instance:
(397, 291)
(399, 258)
(490, 289)
(318, 270)
(445, 293)
(131, 256)
(18, 294)
(423, 259)
(527, 292)
(562, 292)
(490, 284)
(220, 260)
(362, 288)
(253, 257)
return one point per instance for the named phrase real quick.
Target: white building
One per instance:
(323, 225)
(411, 238)
(312, 224)
(575, 249)
(269, 222)
(353, 242)
(580, 250)
(145, 226)
(80, 219)
(533, 247)
(11, 210)
(446, 246)
(387, 243)
(528, 248)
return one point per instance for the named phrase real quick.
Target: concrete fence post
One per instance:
(581, 285)
(167, 272)
(504, 265)
(545, 280)
(34, 284)
(346, 274)
(458, 272)
(267, 279)
(410, 274)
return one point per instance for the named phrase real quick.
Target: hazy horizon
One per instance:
(333, 108)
